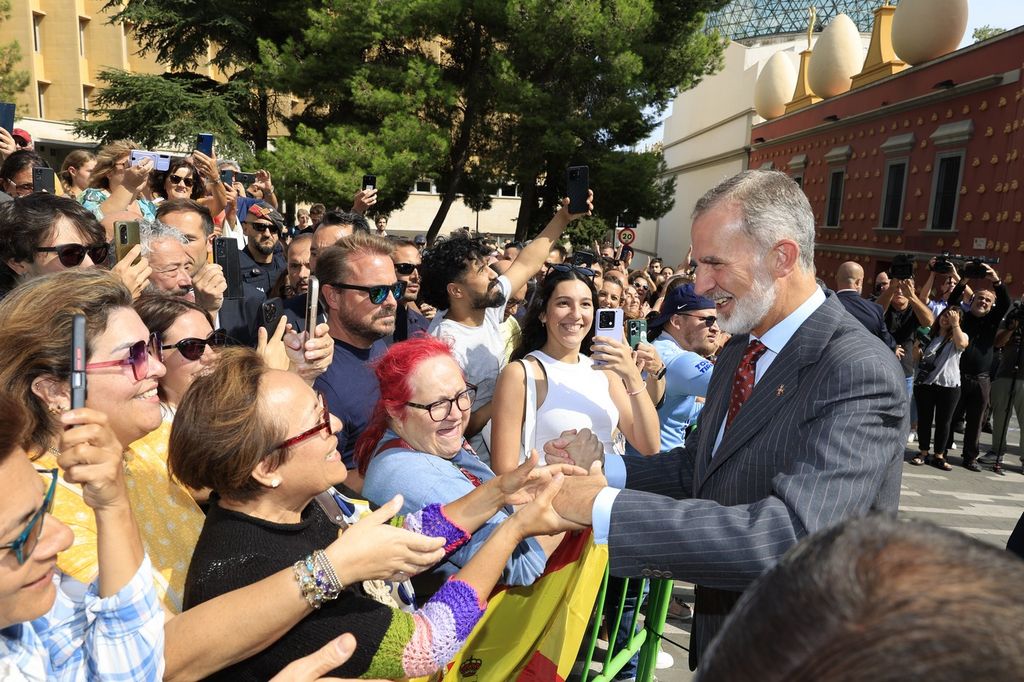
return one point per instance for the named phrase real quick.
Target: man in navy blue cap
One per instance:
(688, 337)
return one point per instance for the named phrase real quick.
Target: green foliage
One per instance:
(12, 81)
(164, 111)
(985, 32)
(583, 232)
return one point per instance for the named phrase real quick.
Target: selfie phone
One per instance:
(636, 332)
(204, 143)
(312, 304)
(271, 313)
(369, 182)
(161, 162)
(78, 384)
(126, 235)
(7, 116)
(44, 180)
(227, 176)
(245, 178)
(576, 188)
(225, 254)
(609, 323)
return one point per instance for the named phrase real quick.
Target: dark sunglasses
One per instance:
(579, 269)
(193, 348)
(323, 425)
(186, 180)
(378, 293)
(405, 269)
(440, 409)
(29, 538)
(260, 228)
(138, 357)
(72, 255)
(708, 320)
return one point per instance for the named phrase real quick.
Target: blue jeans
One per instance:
(913, 403)
(631, 605)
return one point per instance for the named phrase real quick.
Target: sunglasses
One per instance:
(579, 269)
(193, 348)
(72, 255)
(405, 269)
(708, 320)
(138, 357)
(29, 538)
(260, 228)
(186, 180)
(378, 293)
(323, 425)
(440, 409)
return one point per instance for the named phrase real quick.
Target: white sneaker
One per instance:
(952, 446)
(664, 660)
(912, 438)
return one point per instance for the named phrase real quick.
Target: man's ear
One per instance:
(331, 296)
(20, 267)
(54, 393)
(454, 290)
(784, 257)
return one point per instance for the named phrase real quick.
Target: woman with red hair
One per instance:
(415, 446)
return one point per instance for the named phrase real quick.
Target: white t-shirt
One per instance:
(480, 351)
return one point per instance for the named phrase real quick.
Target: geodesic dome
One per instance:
(747, 19)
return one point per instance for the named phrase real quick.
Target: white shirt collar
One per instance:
(776, 338)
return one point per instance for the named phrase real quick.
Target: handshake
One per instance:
(575, 500)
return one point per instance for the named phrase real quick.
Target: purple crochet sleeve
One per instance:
(432, 521)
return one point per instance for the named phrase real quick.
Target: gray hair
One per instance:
(772, 207)
(153, 231)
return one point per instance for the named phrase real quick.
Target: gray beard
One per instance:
(750, 310)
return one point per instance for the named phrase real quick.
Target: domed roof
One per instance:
(748, 19)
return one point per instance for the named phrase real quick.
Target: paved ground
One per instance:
(983, 505)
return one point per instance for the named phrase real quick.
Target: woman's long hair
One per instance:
(534, 333)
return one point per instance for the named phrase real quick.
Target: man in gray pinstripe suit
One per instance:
(819, 439)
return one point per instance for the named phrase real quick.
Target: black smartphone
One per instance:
(126, 235)
(636, 332)
(312, 304)
(225, 254)
(204, 143)
(369, 182)
(44, 180)
(78, 381)
(227, 176)
(271, 313)
(577, 185)
(7, 110)
(245, 178)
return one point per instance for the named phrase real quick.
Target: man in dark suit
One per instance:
(849, 282)
(805, 422)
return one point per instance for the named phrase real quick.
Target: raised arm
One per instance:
(533, 254)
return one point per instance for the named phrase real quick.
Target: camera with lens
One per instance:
(942, 265)
(975, 269)
(902, 266)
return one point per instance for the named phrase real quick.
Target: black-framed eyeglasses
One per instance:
(708, 320)
(378, 292)
(323, 425)
(405, 269)
(29, 537)
(138, 357)
(193, 348)
(440, 409)
(186, 180)
(72, 255)
(578, 269)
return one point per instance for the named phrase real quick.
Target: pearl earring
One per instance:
(275, 482)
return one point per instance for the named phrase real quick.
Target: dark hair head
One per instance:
(19, 161)
(160, 310)
(356, 220)
(447, 261)
(534, 334)
(158, 180)
(186, 206)
(333, 263)
(27, 222)
(878, 599)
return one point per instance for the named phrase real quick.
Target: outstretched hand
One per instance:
(581, 449)
(523, 484)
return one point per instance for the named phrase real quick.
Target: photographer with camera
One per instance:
(938, 288)
(1008, 387)
(980, 323)
(937, 386)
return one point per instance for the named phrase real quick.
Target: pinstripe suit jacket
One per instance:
(820, 439)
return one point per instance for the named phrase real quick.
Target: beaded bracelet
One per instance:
(317, 580)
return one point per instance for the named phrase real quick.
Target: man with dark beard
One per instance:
(470, 301)
(262, 260)
(360, 293)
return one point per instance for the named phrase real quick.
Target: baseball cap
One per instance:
(23, 134)
(679, 300)
(261, 210)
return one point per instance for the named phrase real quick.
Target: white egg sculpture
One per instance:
(775, 86)
(837, 57)
(923, 30)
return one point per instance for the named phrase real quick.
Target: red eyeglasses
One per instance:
(138, 357)
(323, 425)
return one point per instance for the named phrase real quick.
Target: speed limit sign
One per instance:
(627, 236)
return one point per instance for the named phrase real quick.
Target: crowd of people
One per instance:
(446, 418)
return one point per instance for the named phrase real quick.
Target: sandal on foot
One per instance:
(939, 462)
(917, 460)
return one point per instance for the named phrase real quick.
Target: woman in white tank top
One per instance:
(571, 392)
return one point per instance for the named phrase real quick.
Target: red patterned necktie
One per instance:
(743, 382)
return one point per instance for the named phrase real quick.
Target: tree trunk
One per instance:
(527, 201)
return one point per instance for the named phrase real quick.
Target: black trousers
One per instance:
(974, 396)
(935, 403)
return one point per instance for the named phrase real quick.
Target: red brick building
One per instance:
(925, 161)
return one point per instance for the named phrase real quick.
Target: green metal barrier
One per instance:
(646, 641)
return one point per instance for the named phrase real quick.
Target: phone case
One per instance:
(577, 185)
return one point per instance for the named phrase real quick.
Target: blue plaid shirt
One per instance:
(84, 637)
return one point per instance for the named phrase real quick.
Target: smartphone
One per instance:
(369, 182)
(227, 176)
(576, 188)
(245, 178)
(7, 110)
(608, 324)
(204, 143)
(225, 254)
(271, 313)
(636, 332)
(44, 180)
(312, 304)
(161, 162)
(126, 235)
(78, 382)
